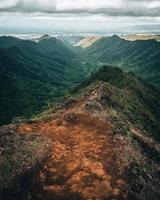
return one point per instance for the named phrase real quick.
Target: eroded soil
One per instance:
(82, 165)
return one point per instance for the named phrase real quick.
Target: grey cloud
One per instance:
(124, 8)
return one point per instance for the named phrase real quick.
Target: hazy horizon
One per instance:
(93, 16)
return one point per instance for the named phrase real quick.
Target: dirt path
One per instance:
(82, 163)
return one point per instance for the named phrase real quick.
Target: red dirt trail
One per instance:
(82, 163)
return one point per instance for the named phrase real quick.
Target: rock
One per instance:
(71, 117)
(93, 105)
(1, 150)
(53, 188)
(69, 102)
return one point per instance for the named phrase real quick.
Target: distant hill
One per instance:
(88, 41)
(70, 39)
(140, 56)
(8, 41)
(32, 74)
(46, 36)
(141, 37)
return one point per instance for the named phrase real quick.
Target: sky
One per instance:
(79, 15)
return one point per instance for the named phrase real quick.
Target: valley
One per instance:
(35, 74)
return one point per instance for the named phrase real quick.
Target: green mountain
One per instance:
(8, 41)
(129, 100)
(141, 57)
(34, 74)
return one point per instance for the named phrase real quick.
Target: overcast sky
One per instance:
(79, 15)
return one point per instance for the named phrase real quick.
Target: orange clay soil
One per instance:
(82, 163)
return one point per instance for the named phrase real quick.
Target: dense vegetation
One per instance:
(127, 96)
(7, 41)
(141, 56)
(34, 74)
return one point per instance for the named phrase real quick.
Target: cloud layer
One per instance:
(105, 7)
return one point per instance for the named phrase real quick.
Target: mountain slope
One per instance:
(132, 98)
(141, 57)
(141, 37)
(101, 147)
(8, 41)
(87, 42)
(33, 74)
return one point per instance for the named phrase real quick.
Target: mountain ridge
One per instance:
(131, 95)
(97, 145)
(141, 57)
